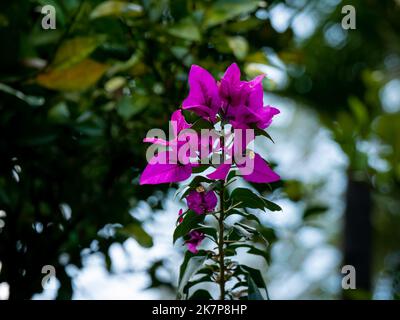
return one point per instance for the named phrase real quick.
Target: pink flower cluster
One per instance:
(229, 101)
(239, 103)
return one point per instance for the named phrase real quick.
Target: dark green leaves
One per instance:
(313, 211)
(224, 10)
(251, 249)
(253, 292)
(256, 281)
(190, 266)
(260, 132)
(245, 198)
(190, 221)
(201, 294)
(246, 215)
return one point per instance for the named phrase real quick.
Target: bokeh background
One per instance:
(76, 102)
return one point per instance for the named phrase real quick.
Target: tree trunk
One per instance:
(358, 236)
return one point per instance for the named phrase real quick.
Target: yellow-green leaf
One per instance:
(224, 10)
(186, 29)
(75, 78)
(239, 46)
(116, 8)
(75, 50)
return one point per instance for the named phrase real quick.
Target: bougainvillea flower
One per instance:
(165, 167)
(195, 238)
(242, 101)
(178, 123)
(232, 91)
(260, 173)
(203, 98)
(157, 171)
(201, 201)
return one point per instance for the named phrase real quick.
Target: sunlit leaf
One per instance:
(129, 106)
(75, 50)
(239, 46)
(224, 10)
(185, 29)
(75, 78)
(116, 8)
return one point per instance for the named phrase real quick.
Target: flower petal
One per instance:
(266, 115)
(179, 122)
(158, 141)
(203, 95)
(232, 74)
(262, 173)
(221, 172)
(164, 173)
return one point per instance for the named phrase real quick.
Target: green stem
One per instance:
(221, 244)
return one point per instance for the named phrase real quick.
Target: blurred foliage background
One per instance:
(76, 102)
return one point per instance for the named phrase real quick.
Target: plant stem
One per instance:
(221, 244)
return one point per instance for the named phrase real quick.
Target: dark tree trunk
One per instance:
(358, 236)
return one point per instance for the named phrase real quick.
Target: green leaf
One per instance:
(359, 110)
(75, 50)
(185, 29)
(314, 211)
(191, 221)
(268, 234)
(248, 232)
(243, 232)
(253, 292)
(31, 100)
(195, 183)
(260, 132)
(231, 175)
(116, 8)
(190, 116)
(224, 10)
(256, 276)
(201, 294)
(252, 250)
(248, 199)
(137, 232)
(239, 46)
(208, 231)
(114, 84)
(78, 77)
(129, 106)
(246, 215)
(198, 180)
(201, 124)
(190, 284)
(271, 205)
(59, 112)
(200, 168)
(194, 264)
